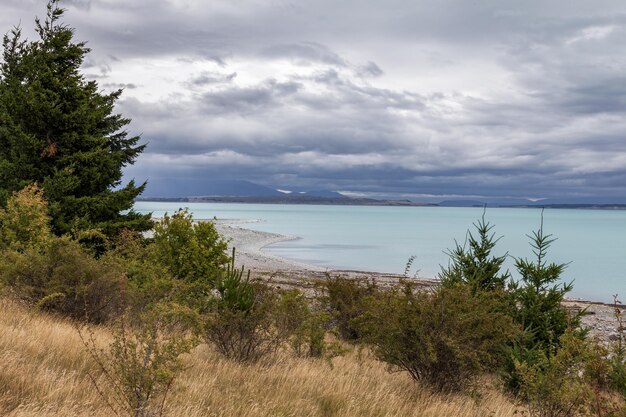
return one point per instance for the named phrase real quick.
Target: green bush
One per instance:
(573, 381)
(474, 265)
(192, 251)
(302, 325)
(240, 322)
(62, 277)
(444, 338)
(617, 351)
(149, 282)
(343, 299)
(25, 223)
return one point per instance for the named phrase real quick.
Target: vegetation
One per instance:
(445, 338)
(304, 325)
(45, 370)
(24, 223)
(240, 321)
(190, 251)
(617, 352)
(142, 361)
(58, 130)
(472, 264)
(54, 273)
(344, 300)
(539, 310)
(572, 381)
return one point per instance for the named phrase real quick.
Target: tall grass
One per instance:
(44, 371)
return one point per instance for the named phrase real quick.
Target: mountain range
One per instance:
(250, 192)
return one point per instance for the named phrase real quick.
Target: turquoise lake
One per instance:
(382, 239)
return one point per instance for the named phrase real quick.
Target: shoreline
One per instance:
(285, 273)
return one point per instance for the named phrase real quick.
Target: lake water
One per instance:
(382, 239)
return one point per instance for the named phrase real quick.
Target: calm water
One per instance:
(383, 238)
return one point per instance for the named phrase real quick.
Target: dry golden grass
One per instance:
(44, 371)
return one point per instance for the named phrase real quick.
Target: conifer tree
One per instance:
(59, 130)
(475, 265)
(539, 296)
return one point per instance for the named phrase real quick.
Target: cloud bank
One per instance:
(477, 98)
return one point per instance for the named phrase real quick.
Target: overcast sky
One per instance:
(522, 98)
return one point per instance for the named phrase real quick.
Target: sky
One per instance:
(403, 98)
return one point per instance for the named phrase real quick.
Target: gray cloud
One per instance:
(209, 77)
(303, 53)
(407, 97)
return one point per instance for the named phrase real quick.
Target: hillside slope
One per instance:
(44, 371)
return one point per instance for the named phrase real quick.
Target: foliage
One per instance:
(57, 129)
(444, 338)
(343, 299)
(191, 251)
(62, 277)
(570, 382)
(142, 362)
(539, 311)
(240, 322)
(474, 265)
(25, 222)
(303, 326)
(540, 296)
(149, 282)
(617, 351)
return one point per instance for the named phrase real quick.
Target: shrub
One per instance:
(553, 386)
(444, 338)
(62, 277)
(617, 351)
(143, 360)
(149, 282)
(25, 223)
(192, 251)
(343, 299)
(570, 382)
(473, 264)
(240, 322)
(302, 325)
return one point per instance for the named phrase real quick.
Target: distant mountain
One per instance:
(461, 203)
(201, 189)
(581, 201)
(235, 188)
(195, 188)
(297, 198)
(324, 193)
(571, 202)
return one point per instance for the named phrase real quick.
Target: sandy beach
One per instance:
(285, 273)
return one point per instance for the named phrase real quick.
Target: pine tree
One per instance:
(539, 296)
(57, 129)
(475, 265)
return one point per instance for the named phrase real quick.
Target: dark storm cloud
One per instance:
(407, 97)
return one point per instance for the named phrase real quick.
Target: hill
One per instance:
(44, 370)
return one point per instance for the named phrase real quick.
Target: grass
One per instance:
(44, 371)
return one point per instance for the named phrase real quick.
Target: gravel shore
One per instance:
(283, 272)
